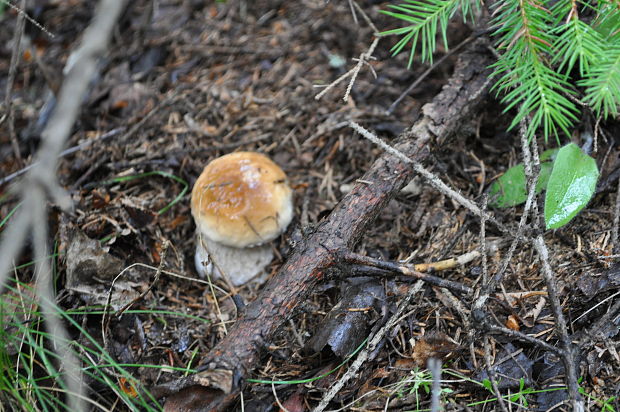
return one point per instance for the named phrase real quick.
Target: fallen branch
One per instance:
(231, 361)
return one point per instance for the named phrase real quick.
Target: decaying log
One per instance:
(232, 360)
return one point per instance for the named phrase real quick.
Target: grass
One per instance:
(30, 370)
(30, 375)
(8, 216)
(420, 382)
(30, 378)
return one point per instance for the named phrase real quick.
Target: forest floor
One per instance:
(187, 81)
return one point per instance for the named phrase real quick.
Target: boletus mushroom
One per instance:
(240, 202)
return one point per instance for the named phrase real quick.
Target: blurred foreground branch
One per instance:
(41, 184)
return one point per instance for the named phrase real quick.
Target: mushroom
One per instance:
(240, 202)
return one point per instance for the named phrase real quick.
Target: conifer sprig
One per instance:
(602, 83)
(548, 52)
(425, 17)
(532, 86)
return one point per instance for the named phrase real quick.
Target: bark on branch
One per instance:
(232, 360)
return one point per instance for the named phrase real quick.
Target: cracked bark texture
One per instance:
(222, 372)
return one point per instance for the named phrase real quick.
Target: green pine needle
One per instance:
(524, 71)
(425, 19)
(602, 84)
(548, 55)
(577, 43)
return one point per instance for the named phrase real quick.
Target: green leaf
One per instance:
(570, 186)
(510, 189)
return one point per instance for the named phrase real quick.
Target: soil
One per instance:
(187, 81)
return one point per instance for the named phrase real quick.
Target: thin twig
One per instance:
(351, 73)
(434, 366)
(483, 242)
(530, 163)
(365, 16)
(568, 353)
(486, 341)
(64, 153)
(275, 395)
(363, 59)
(44, 288)
(492, 375)
(492, 328)
(404, 270)
(353, 12)
(433, 180)
(35, 23)
(418, 270)
(372, 344)
(160, 268)
(105, 320)
(489, 287)
(614, 229)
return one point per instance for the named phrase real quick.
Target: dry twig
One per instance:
(363, 59)
(531, 161)
(372, 344)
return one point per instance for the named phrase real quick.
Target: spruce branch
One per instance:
(425, 18)
(602, 83)
(524, 71)
(549, 58)
(577, 42)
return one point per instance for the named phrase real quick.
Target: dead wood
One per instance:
(232, 359)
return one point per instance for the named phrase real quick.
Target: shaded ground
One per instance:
(187, 81)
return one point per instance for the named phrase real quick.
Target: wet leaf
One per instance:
(571, 185)
(347, 324)
(511, 190)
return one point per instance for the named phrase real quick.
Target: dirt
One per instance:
(187, 81)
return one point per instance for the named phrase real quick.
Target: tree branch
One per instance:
(232, 359)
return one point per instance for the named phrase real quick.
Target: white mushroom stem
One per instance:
(241, 265)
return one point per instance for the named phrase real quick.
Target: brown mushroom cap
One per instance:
(242, 199)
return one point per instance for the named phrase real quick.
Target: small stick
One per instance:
(492, 374)
(405, 270)
(522, 337)
(567, 354)
(372, 344)
(433, 180)
(162, 261)
(614, 229)
(105, 321)
(364, 57)
(66, 152)
(489, 287)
